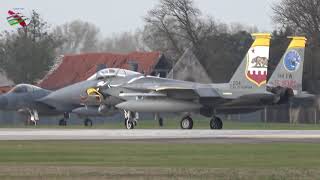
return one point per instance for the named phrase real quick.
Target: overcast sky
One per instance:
(114, 16)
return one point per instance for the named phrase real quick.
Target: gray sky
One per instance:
(113, 16)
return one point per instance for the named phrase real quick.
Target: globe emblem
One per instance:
(292, 61)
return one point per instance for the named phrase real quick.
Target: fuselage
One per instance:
(25, 97)
(183, 96)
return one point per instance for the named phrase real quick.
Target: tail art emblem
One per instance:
(292, 61)
(257, 65)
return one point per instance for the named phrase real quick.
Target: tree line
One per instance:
(170, 27)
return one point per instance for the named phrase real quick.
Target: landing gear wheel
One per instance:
(186, 123)
(88, 122)
(62, 122)
(30, 123)
(129, 124)
(216, 123)
(135, 123)
(160, 122)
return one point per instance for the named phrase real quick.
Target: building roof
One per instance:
(189, 68)
(76, 68)
(4, 89)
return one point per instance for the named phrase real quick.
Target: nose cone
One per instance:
(3, 102)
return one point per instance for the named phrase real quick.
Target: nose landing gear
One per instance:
(33, 117)
(131, 119)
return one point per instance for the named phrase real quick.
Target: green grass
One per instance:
(160, 154)
(99, 159)
(198, 124)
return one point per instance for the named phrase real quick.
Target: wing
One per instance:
(179, 91)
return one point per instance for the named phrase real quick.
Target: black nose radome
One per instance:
(3, 102)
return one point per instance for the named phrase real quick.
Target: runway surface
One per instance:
(162, 135)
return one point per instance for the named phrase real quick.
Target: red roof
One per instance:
(4, 89)
(76, 68)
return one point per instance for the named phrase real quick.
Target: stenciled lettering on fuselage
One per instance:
(238, 85)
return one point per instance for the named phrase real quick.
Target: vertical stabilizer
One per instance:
(288, 73)
(252, 72)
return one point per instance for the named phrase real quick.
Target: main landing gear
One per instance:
(187, 123)
(131, 119)
(63, 121)
(88, 122)
(216, 123)
(158, 118)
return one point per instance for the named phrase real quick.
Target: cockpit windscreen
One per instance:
(112, 72)
(23, 88)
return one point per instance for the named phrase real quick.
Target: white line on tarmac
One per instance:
(101, 134)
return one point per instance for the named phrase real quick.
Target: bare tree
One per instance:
(175, 24)
(123, 43)
(78, 36)
(237, 27)
(303, 16)
(28, 53)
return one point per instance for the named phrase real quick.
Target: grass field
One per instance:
(198, 124)
(106, 160)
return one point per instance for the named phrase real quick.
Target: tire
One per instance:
(28, 122)
(161, 122)
(186, 123)
(62, 122)
(216, 123)
(129, 124)
(88, 122)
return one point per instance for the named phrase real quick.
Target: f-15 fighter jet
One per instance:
(78, 98)
(247, 91)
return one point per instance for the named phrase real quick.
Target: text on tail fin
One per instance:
(289, 71)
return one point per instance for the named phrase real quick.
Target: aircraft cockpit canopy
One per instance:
(112, 72)
(23, 88)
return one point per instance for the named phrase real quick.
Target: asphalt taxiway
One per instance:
(162, 135)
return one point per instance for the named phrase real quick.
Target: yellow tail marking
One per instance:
(261, 39)
(297, 42)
